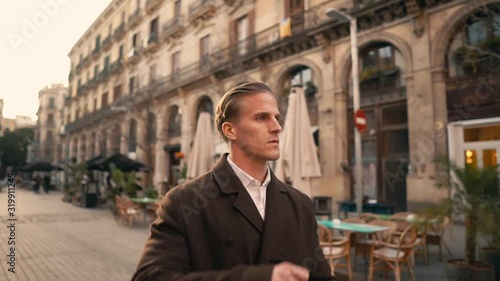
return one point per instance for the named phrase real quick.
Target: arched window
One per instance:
(174, 121)
(205, 105)
(381, 65)
(132, 135)
(475, 45)
(300, 75)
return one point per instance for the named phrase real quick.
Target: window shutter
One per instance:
(232, 32)
(251, 22)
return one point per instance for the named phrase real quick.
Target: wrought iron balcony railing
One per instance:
(106, 43)
(96, 53)
(153, 38)
(201, 9)
(264, 44)
(152, 4)
(119, 31)
(135, 18)
(173, 27)
(116, 66)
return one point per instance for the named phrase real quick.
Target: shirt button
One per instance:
(230, 241)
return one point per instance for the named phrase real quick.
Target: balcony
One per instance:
(201, 9)
(152, 5)
(268, 46)
(50, 124)
(173, 28)
(133, 55)
(89, 119)
(135, 18)
(83, 89)
(96, 53)
(116, 67)
(86, 61)
(152, 43)
(104, 75)
(92, 83)
(78, 68)
(67, 100)
(119, 32)
(107, 42)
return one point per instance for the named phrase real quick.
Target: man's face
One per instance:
(257, 128)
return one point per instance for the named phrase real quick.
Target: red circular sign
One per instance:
(360, 120)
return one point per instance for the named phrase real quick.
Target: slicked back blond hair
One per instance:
(228, 108)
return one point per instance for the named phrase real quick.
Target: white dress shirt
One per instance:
(253, 186)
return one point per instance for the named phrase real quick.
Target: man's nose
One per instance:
(276, 126)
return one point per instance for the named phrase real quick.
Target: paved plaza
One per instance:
(59, 241)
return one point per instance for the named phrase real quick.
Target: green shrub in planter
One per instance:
(474, 193)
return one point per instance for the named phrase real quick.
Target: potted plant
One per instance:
(467, 59)
(369, 75)
(490, 229)
(125, 182)
(472, 193)
(310, 88)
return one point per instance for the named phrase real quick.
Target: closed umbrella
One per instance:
(298, 162)
(202, 153)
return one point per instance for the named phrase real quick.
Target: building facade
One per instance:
(1, 118)
(47, 143)
(12, 124)
(144, 70)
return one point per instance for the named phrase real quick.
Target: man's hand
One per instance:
(286, 271)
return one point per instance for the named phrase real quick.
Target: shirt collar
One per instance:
(245, 178)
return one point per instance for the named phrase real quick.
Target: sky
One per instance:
(36, 37)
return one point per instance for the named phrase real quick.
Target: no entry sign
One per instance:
(360, 120)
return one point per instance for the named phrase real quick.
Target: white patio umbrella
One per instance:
(202, 153)
(298, 161)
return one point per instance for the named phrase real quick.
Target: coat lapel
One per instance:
(229, 183)
(274, 222)
(247, 208)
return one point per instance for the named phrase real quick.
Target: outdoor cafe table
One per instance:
(354, 227)
(143, 202)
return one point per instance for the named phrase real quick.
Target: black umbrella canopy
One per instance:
(41, 166)
(121, 162)
(92, 164)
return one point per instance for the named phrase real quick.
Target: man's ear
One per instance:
(228, 130)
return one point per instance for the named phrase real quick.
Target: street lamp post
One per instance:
(356, 104)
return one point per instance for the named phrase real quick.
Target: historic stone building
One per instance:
(144, 70)
(47, 143)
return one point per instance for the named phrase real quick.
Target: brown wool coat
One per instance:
(210, 229)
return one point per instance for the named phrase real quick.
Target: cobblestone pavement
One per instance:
(59, 241)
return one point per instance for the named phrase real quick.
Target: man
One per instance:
(237, 222)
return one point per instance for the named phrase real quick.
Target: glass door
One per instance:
(480, 156)
(481, 146)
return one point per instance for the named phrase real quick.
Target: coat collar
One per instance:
(229, 183)
(226, 178)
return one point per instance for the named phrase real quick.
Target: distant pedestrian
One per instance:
(36, 183)
(46, 183)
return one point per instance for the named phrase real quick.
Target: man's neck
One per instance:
(255, 168)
